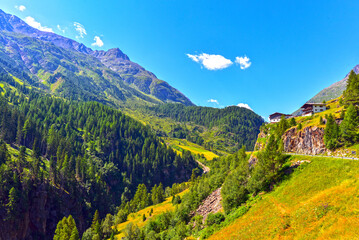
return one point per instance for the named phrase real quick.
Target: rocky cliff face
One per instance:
(212, 204)
(306, 141)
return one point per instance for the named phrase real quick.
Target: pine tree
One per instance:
(59, 229)
(66, 229)
(292, 122)
(74, 234)
(19, 133)
(95, 220)
(12, 205)
(348, 128)
(282, 126)
(4, 153)
(351, 93)
(22, 158)
(266, 170)
(36, 161)
(331, 133)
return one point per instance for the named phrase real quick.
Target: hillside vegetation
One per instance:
(85, 156)
(150, 212)
(217, 130)
(318, 201)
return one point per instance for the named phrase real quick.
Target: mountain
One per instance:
(334, 90)
(66, 68)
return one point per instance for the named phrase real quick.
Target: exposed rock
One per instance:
(211, 204)
(259, 146)
(307, 141)
(252, 160)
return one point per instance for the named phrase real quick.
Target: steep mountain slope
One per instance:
(70, 69)
(334, 90)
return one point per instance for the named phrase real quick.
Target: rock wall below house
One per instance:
(309, 140)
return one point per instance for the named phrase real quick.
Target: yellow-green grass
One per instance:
(333, 108)
(2, 86)
(192, 147)
(320, 200)
(136, 218)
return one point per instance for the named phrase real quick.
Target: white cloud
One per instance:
(244, 62)
(33, 23)
(213, 101)
(20, 8)
(80, 29)
(211, 61)
(98, 42)
(60, 29)
(244, 105)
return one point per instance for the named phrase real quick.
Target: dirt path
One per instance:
(349, 158)
(204, 167)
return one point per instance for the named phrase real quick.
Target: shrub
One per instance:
(214, 218)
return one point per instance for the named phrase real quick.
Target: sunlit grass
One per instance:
(136, 218)
(319, 201)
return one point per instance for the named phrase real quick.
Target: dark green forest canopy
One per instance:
(239, 124)
(94, 152)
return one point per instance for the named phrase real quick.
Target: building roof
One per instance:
(278, 114)
(313, 104)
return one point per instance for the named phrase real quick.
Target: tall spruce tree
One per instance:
(351, 93)
(331, 133)
(348, 128)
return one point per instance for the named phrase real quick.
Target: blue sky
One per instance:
(295, 48)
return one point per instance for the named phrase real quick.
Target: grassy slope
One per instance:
(334, 109)
(136, 218)
(179, 144)
(318, 201)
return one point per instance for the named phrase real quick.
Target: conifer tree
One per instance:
(66, 229)
(95, 220)
(331, 133)
(4, 154)
(266, 170)
(282, 126)
(351, 93)
(12, 205)
(19, 133)
(348, 128)
(292, 122)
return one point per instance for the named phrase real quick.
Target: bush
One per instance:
(214, 218)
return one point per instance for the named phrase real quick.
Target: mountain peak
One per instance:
(355, 69)
(130, 80)
(334, 90)
(114, 53)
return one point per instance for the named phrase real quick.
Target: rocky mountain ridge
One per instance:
(334, 90)
(104, 76)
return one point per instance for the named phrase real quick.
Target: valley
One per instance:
(93, 146)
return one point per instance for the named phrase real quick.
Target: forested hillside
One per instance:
(225, 129)
(85, 156)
